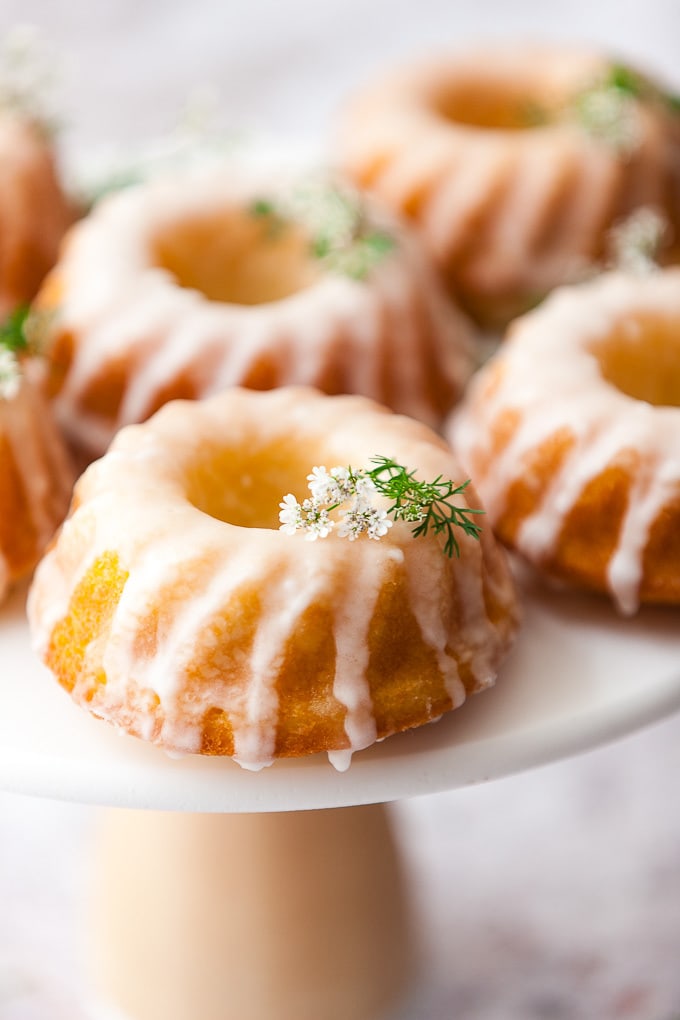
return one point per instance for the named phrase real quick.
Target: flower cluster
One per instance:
(350, 492)
(430, 506)
(610, 114)
(342, 236)
(28, 75)
(636, 242)
(10, 374)
(609, 108)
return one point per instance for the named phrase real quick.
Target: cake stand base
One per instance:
(293, 916)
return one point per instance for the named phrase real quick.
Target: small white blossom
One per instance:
(29, 74)
(635, 243)
(339, 484)
(327, 486)
(326, 210)
(611, 116)
(369, 519)
(10, 374)
(316, 521)
(309, 516)
(290, 514)
(364, 488)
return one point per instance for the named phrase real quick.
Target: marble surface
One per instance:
(550, 895)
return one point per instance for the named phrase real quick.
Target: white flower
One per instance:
(290, 514)
(330, 490)
(362, 518)
(326, 210)
(610, 115)
(322, 485)
(29, 74)
(309, 516)
(10, 374)
(364, 488)
(339, 484)
(379, 523)
(316, 521)
(636, 242)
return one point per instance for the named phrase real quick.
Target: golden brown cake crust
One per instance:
(174, 607)
(572, 435)
(34, 211)
(36, 476)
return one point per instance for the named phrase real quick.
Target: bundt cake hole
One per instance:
(641, 358)
(244, 487)
(492, 103)
(236, 257)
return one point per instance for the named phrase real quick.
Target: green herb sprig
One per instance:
(13, 343)
(426, 503)
(12, 331)
(637, 86)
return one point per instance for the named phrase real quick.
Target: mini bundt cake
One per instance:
(513, 163)
(183, 286)
(35, 473)
(34, 212)
(174, 606)
(572, 435)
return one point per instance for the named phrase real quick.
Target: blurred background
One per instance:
(554, 895)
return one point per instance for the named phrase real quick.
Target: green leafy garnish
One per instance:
(341, 234)
(626, 80)
(262, 207)
(13, 343)
(427, 505)
(12, 331)
(274, 223)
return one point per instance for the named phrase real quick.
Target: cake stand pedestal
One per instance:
(228, 897)
(297, 916)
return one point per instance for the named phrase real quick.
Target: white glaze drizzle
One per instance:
(426, 601)
(283, 606)
(351, 632)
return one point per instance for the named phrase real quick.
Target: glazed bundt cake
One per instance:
(513, 163)
(181, 287)
(35, 474)
(34, 212)
(175, 606)
(572, 435)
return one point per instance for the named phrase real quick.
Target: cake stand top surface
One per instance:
(578, 676)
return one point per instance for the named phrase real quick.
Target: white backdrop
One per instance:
(129, 66)
(550, 896)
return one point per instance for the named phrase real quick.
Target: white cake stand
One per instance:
(226, 899)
